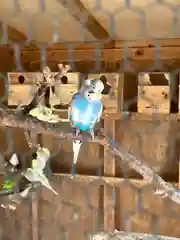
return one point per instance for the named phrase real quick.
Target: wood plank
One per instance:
(170, 42)
(174, 42)
(109, 170)
(121, 66)
(26, 78)
(153, 99)
(84, 60)
(35, 224)
(78, 45)
(25, 84)
(10, 34)
(80, 13)
(134, 54)
(130, 91)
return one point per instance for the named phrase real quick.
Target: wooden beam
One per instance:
(134, 54)
(170, 42)
(109, 170)
(82, 15)
(9, 34)
(141, 57)
(91, 66)
(35, 219)
(175, 42)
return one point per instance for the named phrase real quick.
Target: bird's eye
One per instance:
(34, 155)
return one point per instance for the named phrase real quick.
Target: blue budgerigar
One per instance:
(85, 111)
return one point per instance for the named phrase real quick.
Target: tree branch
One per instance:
(63, 130)
(48, 81)
(9, 118)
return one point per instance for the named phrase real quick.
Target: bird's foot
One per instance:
(76, 132)
(73, 170)
(91, 132)
(160, 192)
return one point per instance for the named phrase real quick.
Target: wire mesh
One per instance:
(88, 204)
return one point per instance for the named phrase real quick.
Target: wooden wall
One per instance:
(78, 210)
(88, 203)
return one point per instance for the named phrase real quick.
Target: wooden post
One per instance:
(174, 108)
(109, 170)
(35, 223)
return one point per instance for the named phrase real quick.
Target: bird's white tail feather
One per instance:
(76, 149)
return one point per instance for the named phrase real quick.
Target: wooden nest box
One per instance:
(141, 109)
(22, 86)
(111, 92)
(153, 98)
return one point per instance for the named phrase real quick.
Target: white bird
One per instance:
(35, 173)
(44, 114)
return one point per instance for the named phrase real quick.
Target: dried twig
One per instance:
(49, 81)
(63, 130)
(42, 91)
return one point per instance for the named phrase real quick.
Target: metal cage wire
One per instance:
(63, 215)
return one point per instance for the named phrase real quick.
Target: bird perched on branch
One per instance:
(85, 111)
(89, 82)
(36, 173)
(10, 173)
(44, 114)
(16, 189)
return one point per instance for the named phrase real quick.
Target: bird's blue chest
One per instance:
(85, 113)
(82, 104)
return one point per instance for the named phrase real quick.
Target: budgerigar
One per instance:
(91, 82)
(36, 172)
(85, 111)
(44, 114)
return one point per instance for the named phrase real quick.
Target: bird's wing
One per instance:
(99, 113)
(70, 109)
(96, 115)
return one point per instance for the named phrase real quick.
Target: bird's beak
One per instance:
(34, 163)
